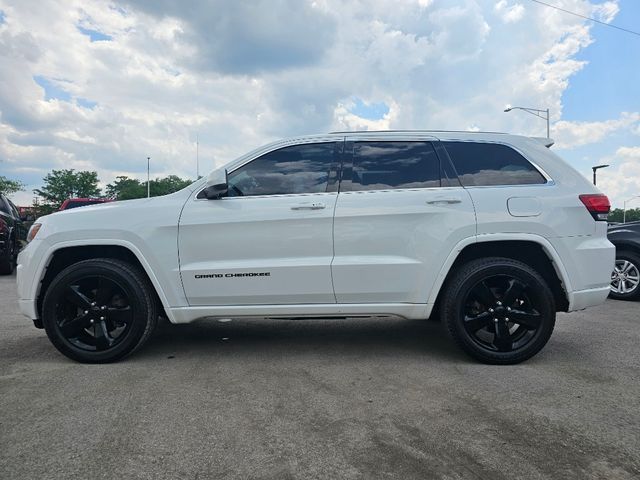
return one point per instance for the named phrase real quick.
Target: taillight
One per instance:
(597, 204)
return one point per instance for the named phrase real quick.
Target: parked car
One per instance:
(82, 202)
(12, 235)
(625, 279)
(491, 232)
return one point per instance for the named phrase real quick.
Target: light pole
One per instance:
(148, 185)
(624, 210)
(536, 112)
(595, 169)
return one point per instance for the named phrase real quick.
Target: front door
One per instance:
(270, 240)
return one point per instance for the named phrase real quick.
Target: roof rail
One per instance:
(413, 131)
(547, 142)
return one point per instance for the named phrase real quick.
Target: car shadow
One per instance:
(255, 337)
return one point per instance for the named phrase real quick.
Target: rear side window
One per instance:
(391, 165)
(482, 164)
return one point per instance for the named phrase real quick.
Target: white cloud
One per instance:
(345, 120)
(605, 12)
(574, 134)
(239, 76)
(509, 13)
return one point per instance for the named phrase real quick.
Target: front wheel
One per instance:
(498, 310)
(99, 310)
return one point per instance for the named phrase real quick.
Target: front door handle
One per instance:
(444, 201)
(309, 206)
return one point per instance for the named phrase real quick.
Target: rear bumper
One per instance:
(588, 262)
(592, 297)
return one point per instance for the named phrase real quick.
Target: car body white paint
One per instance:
(383, 252)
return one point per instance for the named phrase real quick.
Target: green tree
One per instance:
(62, 184)
(617, 215)
(167, 185)
(8, 186)
(125, 188)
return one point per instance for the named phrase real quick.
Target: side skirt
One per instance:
(306, 311)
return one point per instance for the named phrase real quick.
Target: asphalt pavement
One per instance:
(335, 399)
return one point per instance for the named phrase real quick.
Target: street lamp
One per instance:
(534, 111)
(596, 168)
(624, 210)
(148, 186)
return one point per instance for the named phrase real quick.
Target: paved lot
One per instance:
(322, 399)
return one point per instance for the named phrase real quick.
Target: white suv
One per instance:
(493, 233)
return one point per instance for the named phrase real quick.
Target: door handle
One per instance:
(444, 201)
(309, 206)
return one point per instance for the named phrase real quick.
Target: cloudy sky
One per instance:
(101, 85)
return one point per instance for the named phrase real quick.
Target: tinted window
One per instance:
(389, 165)
(296, 169)
(13, 208)
(480, 164)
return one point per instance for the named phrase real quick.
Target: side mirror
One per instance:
(216, 186)
(214, 192)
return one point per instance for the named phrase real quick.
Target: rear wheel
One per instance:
(99, 311)
(625, 278)
(498, 310)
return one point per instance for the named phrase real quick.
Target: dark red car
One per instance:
(82, 202)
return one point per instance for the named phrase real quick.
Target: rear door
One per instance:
(400, 212)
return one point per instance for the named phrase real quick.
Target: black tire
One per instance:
(626, 276)
(498, 310)
(99, 310)
(8, 260)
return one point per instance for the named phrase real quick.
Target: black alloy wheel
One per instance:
(499, 315)
(99, 311)
(95, 313)
(499, 310)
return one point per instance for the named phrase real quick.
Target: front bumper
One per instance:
(28, 274)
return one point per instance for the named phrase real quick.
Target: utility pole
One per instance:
(148, 184)
(197, 159)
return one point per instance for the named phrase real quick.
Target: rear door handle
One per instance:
(309, 206)
(444, 201)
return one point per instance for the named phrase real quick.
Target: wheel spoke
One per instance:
(104, 294)
(71, 328)
(502, 340)
(484, 294)
(103, 339)
(120, 316)
(513, 292)
(473, 323)
(625, 266)
(529, 320)
(75, 296)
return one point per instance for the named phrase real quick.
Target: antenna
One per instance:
(197, 158)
